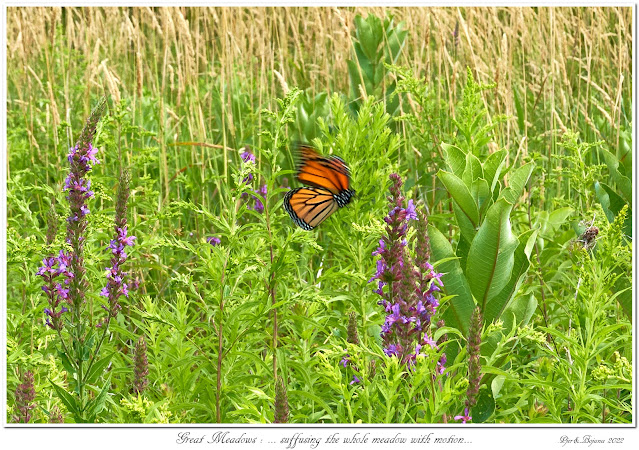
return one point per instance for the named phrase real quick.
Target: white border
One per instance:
(507, 436)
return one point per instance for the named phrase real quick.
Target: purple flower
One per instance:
(24, 398)
(256, 201)
(410, 211)
(404, 280)
(51, 269)
(355, 380)
(392, 350)
(247, 156)
(258, 205)
(116, 285)
(141, 369)
(465, 418)
(213, 240)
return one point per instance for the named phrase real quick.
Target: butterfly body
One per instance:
(329, 188)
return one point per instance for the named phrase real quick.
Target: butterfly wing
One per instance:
(330, 173)
(308, 207)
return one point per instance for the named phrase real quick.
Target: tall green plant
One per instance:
(375, 43)
(488, 264)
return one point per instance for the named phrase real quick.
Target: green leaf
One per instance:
(447, 330)
(521, 310)
(461, 306)
(558, 217)
(66, 362)
(517, 182)
(98, 369)
(314, 399)
(455, 158)
(467, 228)
(66, 398)
(369, 34)
(623, 182)
(461, 194)
(473, 169)
(497, 384)
(481, 193)
(496, 305)
(625, 297)
(484, 408)
(492, 167)
(491, 254)
(612, 203)
(97, 404)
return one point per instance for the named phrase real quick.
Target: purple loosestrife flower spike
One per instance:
(25, 394)
(80, 158)
(52, 267)
(405, 282)
(474, 364)
(351, 331)
(116, 285)
(281, 401)
(141, 369)
(55, 415)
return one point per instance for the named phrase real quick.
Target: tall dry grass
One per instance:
(553, 51)
(572, 64)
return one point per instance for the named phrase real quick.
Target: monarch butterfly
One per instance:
(329, 178)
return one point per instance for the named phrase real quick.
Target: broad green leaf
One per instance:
(517, 182)
(497, 384)
(623, 182)
(496, 305)
(455, 158)
(484, 408)
(521, 310)
(461, 194)
(481, 193)
(466, 227)
(473, 170)
(461, 306)
(612, 203)
(369, 33)
(558, 217)
(463, 246)
(491, 254)
(625, 298)
(492, 167)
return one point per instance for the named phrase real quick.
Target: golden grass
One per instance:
(576, 61)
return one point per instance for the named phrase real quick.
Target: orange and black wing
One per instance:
(308, 207)
(330, 173)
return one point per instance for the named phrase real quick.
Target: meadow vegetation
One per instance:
(481, 273)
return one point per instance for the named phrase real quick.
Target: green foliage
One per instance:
(509, 199)
(376, 44)
(487, 249)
